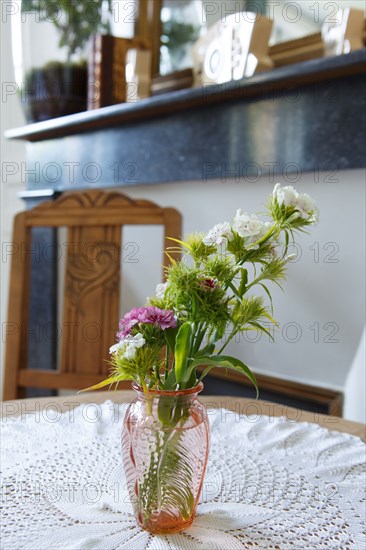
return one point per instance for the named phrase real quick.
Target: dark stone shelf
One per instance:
(304, 117)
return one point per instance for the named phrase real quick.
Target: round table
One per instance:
(277, 477)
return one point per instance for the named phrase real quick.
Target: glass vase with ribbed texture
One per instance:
(165, 444)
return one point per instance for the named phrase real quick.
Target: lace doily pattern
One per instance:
(270, 484)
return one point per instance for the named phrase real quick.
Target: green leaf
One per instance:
(107, 382)
(182, 243)
(165, 409)
(170, 337)
(262, 329)
(268, 294)
(266, 314)
(228, 362)
(183, 344)
(205, 372)
(190, 377)
(235, 292)
(171, 381)
(192, 381)
(243, 282)
(194, 305)
(286, 243)
(207, 350)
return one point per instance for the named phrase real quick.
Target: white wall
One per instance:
(321, 315)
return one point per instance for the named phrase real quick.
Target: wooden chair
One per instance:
(92, 288)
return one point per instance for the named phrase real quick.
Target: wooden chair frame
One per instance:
(90, 216)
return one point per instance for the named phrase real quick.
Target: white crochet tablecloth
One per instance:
(270, 484)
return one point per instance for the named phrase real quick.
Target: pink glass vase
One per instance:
(165, 444)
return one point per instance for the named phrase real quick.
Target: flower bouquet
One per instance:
(169, 346)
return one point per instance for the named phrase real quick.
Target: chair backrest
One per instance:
(93, 220)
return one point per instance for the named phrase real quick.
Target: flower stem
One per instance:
(166, 370)
(227, 341)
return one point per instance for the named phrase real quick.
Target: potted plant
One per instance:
(169, 346)
(181, 27)
(54, 38)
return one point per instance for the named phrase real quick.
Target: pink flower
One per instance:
(164, 318)
(208, 284)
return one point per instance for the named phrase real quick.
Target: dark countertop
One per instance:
(260, 86)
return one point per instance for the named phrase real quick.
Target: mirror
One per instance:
(292, 19)
(179, 22)
(298, 19)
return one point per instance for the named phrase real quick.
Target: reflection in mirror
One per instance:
(301, 30)
(291, 19)
(183, 22)
(238, 43)
(298, 19)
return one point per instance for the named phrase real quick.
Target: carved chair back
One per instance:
(94, 221)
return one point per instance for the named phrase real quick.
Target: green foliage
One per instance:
(210, 295)
(197, 249)
(228, 362)
(248, 310)
(183, 346)
(178, 33)
(75, 21)
(274, 271)
(138, 368)
(221, 268)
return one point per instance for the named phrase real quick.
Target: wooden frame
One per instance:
(326, 400)
(148, 27)
(298, 50)
(91, 284)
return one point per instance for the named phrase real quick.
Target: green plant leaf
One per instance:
(165, 409)
(262, 329)
(107, 382)
(235, 292)
(228, 362)
(171, 381)
(182, 243)
(243, 282)
(207, 350)
(183, 344)
(268, 294)
(170, 336)
(190, 380)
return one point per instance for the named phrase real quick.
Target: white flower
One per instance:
(133, 343)
(285, 195)
(160, 290)
(257, 237)
(247, 226)
(130, 352)
(116, 347)
(218, 234)
(306, 205)
(129, 345)
(302, 202)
